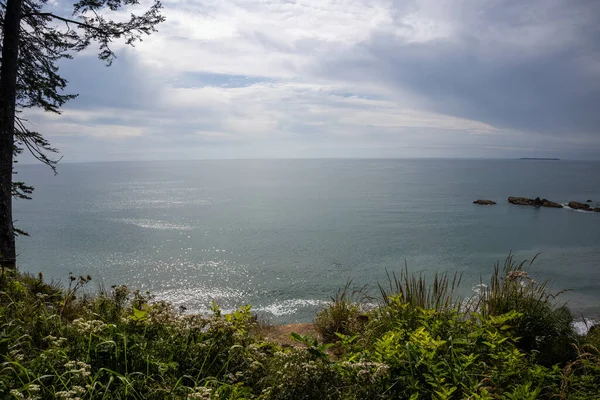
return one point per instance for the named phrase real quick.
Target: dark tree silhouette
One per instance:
(34, 39)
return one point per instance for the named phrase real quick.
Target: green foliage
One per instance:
(416, 291)
(312, 346)
(545, 327)
(122, 344)
(341, 316)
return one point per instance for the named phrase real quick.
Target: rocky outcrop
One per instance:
(521, 201)
(575, 205)
(551, 204)
(484, 202)
(537, 202)
(589, 201)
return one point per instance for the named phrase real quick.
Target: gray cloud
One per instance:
(351, 78)
(532, 66)
(125, 84)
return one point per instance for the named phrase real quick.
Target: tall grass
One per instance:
(343, 315)
(416, 291)
(545, 326)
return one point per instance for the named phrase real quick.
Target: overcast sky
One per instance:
(342, 78)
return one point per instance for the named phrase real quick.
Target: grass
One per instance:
(343, 316)
(513, 341)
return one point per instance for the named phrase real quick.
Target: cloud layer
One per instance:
(326, 78)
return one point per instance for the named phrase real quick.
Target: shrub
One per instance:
(545, 327)
(341, 316)
(420, 343)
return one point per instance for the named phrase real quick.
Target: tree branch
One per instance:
(67, 20)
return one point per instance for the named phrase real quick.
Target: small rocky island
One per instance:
(539, 158)
(484, 202)
(537, 202)
(575, 205)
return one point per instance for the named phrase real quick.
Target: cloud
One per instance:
(526, 66)
(279, 78)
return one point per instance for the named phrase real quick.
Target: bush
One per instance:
(545, 327)
(422, 342)
(342, 316)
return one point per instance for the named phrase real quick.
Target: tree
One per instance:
(34, 39)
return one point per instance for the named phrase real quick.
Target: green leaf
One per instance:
(139, 315)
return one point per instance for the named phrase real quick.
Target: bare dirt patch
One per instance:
(280, 334)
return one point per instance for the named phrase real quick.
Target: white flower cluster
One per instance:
(31, 389)
(233, 378)
(87, 327)
(16, 355)
(67, 395)
(368, 370)
(73, 394)
(200, 393)
(56, 342)
(79, 368)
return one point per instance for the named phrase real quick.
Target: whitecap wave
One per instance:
(289, 307)
(582, 326)
(566, 206)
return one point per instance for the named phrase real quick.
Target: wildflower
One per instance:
(201, 393)
(78, 368)
(16, 355)
(255, 365)
(17, 394)
(88, 327)
(78, 389)
(382, 371)
(33, 388)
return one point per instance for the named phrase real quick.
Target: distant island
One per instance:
(536, 158)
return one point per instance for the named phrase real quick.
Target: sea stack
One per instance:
(537, 202)
(484, 202)
(575, 205)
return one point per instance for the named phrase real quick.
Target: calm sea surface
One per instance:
(283, 235)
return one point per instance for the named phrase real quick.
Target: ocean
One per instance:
(284, 235)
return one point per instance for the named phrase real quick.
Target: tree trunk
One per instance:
(8, 85)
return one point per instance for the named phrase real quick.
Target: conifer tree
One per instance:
(35, 37)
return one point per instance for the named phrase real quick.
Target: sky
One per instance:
(341, 78)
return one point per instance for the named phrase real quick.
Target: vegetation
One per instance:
(422, 342)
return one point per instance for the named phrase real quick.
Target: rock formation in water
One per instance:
(575, 205)
(522, 201)
(484, 202)
(551, 204)
(537, 202)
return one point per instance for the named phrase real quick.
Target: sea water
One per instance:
(284, 235)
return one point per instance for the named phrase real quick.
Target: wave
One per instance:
(289, 307)
(199, 300)
(582, 326)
